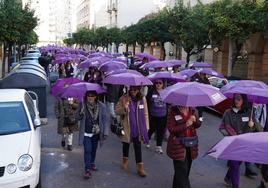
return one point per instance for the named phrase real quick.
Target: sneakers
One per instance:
(87, 174)
(159, 150)
(228, 182)
(93, 167)
(148, 146)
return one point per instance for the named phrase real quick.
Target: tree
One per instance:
(115, 36)
(68, 41)
(129, 36)
(235, 21)
(189, 26)
(16, 22)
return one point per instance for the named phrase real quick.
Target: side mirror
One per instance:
(37, 122)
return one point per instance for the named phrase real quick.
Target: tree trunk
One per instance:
(163, 50)
(188, 59)
(4, 61)
(19, 52)
(230, 58)
(10, 45)
(117, 48)
(126, 48)
(142, 48)
(134, 49)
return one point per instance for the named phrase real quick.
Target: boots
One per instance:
(140, 170)
(249, 171)
(125, 163)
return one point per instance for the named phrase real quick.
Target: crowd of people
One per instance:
(143, 114)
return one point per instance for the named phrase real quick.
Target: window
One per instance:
(13, 118)
(30, 106)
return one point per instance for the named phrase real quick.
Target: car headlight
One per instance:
(11, 168)
(25, 162)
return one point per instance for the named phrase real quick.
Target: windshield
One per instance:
(13, 118)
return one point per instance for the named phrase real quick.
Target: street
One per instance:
(62, 168)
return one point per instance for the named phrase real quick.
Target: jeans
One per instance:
(157, 125)
(182, 171)
(90, 150)
(137, 149)
(233, 173)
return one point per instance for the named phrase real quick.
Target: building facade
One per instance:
(56, 20)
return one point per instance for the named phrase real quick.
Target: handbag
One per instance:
(117, 128)
(70, 120)
(189, 141)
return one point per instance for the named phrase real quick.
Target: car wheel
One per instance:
(39, 181)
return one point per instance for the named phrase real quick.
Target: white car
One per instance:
(20, 140)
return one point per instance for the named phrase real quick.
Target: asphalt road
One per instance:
(62, 168)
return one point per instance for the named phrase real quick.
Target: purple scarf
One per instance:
(142, 123)
(137, 121)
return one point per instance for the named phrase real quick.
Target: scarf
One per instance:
(93, 110)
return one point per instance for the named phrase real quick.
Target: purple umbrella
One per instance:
(119, 71)
(128, 79)
(244, 84)
(79, 90)
(250, 147)
(141, 56)
(63, 60)
(201, 65)
(167, 76)
(62, 84)
(256, 95)
(192, 94)
(97, 54)
(112, 65)
(156, 64)
(188, 72)
(88, 63)
(176, 62)
(211, 72)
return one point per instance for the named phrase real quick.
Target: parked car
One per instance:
(224, 105)
(33, 55)
(20, 140)
(33, 51)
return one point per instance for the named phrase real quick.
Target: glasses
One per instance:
(158, 83)
(238, 98)
(91, 96)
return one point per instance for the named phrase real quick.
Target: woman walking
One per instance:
(158, 114)
(66, 111)
(94, 129)
(182, 146)
(133, 111)
(236, 120)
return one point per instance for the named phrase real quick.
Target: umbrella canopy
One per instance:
(88, 63)
(79, 90)
(128, 79)
(118, 71)
(250, 147)
(187, 72)
(256, 95)
(244, 84)
(176, 62)
(112, 65)
(192, 94)
(157, 64)
(201, 65)
(211, 72)
(63, 60)
(141, 56)
(61, 84)
(167, 76)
